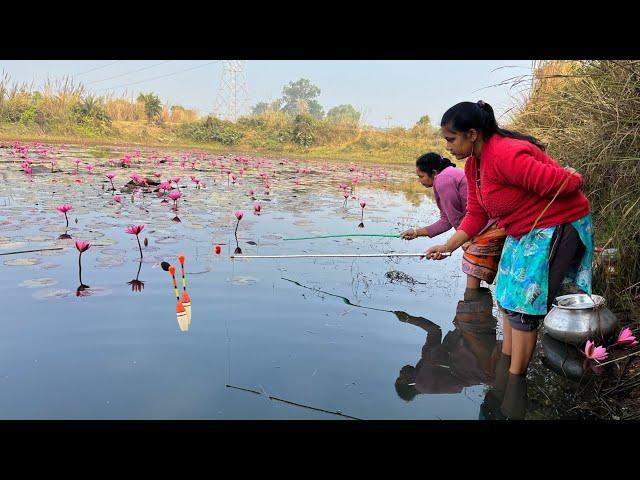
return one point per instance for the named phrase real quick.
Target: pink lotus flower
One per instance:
(111, 176)
(175, 195)
(89, 168)
(138, 179)
(239, 214)
(117, 199)
(257, 208)
(64, 208)
(363, 204)
(135, 229)
(164, 186)
(82, 246)
(593, 352)
(626, 338)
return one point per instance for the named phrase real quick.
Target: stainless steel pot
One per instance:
(577, 318)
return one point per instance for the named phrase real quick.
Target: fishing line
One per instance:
(226, 320)
(389, 235)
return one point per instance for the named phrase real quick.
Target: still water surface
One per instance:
(368, 338)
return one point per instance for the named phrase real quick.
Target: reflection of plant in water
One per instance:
(137, 285)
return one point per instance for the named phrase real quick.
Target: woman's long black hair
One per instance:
(464, 116)
(431, 163)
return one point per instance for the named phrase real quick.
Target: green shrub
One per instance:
(91, 115)
(211, 130)
(303, 126)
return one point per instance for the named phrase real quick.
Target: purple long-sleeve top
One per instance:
(450, 190)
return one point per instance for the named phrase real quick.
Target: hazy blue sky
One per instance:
(403, 90)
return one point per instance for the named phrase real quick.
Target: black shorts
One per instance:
(566, 252)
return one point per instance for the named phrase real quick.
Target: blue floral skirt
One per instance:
(523, 272)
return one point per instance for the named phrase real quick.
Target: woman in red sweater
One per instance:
(542, 209)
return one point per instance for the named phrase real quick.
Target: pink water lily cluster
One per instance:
(625, 339)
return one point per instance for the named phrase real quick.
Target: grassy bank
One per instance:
(63, 112)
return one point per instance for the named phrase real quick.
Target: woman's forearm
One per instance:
(457, 240)
(423, 232)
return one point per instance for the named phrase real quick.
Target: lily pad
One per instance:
(38, 282)
(55, 228)
(48, 266)
(51, 253)
(52, 293)
(39, 238)
(12, 245)
(110, 261)
(167, 240)
(242, 280)
(22, 262)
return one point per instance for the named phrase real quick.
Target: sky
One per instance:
(387, 92)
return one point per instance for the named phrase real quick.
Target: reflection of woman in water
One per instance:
(465, 357)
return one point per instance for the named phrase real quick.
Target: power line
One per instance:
(128, 73)
(160, 76)
(96, 68)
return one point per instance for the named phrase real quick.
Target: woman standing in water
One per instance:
(482, 253)
(542, 209)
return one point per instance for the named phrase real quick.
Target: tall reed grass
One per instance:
(588, 114)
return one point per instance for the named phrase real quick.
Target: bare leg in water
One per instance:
(473, 282)
(524, 343)
(506, 340)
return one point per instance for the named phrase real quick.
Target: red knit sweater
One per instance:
(517, 181)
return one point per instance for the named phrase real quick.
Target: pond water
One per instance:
(301, 338)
